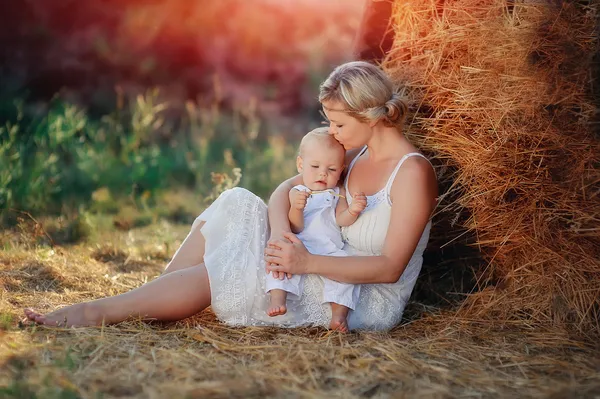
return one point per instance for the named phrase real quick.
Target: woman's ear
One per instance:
(299, 163)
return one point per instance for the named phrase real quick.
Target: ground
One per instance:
(433, 354)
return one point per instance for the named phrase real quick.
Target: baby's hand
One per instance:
(359, 203)
(298, 199)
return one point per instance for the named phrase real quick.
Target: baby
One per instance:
(318, 209)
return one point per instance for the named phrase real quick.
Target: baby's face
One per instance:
(321, 166)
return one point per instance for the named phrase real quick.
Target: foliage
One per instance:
(65, 159)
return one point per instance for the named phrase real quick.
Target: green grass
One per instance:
(6, 321)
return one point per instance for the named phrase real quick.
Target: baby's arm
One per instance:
(345, 215)
(296, 214)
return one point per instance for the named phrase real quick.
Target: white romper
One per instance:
(321, 236)
(236, 232)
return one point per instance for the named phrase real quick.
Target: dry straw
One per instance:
(435, 356)
(505, 103)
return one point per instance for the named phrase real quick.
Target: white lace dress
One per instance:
(236, 231)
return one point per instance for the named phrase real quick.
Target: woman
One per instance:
(222, 260)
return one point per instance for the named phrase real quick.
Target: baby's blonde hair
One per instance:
(322, 135)
(366, 92)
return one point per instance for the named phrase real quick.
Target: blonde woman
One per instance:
(224, 259)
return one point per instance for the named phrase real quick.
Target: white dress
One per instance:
(321, 236)
(236, 231)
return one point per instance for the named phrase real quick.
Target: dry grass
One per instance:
(503, 102)
(438, 355)
(503, 91)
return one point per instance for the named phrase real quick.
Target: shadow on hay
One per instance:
(123, 262)
(452, 260)
(35, 276)
(448, 274)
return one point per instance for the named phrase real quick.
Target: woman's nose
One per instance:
(332, 130)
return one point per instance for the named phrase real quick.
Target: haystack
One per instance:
(505, 103)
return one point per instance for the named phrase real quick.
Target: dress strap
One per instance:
(349, 169)
(390, 181)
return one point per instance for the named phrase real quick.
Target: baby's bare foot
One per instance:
(339, 324)
(339, 318)
(79, 315)
(276, 310)
(278, 303)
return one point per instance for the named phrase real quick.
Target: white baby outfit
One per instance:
(321, 236)
(236, 232)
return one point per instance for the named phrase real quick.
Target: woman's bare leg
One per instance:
(190, 253)
(175, 296)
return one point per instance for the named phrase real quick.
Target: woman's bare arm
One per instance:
(279, 206)
(411, 210)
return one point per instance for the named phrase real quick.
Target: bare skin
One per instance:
(175, 296)
(181, 291)
(339, 318)
(277, 305)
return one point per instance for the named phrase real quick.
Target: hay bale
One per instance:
(505, 103)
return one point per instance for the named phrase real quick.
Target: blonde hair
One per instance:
(322, 135)
(367, 93)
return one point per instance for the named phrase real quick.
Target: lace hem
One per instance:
(229, 254)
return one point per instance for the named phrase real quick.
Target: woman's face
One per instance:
(349, 131)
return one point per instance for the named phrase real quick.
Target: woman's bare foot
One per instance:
(278, 303)
(339, 318)
(79, 315)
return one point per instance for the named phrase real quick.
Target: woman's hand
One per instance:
(287, 255)
(271, 244)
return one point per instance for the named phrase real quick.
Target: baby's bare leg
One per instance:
(190, 253)
(339, 317)
(171, 297)
(277, 302)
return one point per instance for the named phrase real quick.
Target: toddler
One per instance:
(318, 209)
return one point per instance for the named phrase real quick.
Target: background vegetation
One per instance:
(106, 100)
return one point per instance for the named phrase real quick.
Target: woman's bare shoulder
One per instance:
(418, 174)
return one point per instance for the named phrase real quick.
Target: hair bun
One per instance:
(395, 109)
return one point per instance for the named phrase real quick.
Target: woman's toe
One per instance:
(30, 314)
